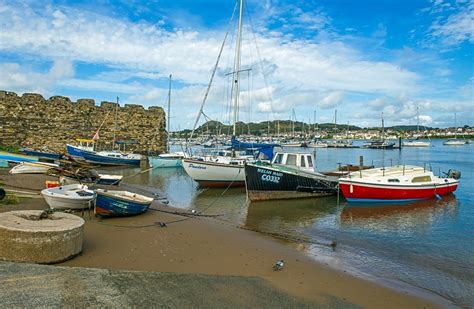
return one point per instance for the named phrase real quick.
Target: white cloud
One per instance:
(301, 72)
(14, 77)
(332, 99)
(457, 27)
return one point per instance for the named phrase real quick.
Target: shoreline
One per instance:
(202, 245)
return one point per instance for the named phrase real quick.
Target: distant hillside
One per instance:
(272, 127)
(283, 127)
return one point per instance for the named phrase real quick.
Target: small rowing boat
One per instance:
(73, 196)
(111, 203)
(32, 168)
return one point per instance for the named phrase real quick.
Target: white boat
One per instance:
(32, 168)
(416, 143)
(455, 142)
(104, 179)
(318, 144)
(221, 170)
(73, 196)
(167, 160)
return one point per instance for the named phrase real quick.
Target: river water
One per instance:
(428, 245)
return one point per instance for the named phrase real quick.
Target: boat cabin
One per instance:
(303, 161)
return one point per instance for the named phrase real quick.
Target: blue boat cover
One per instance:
(260, 150)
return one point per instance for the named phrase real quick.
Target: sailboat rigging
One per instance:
(416, 142)
(226, 167)
(167, 159)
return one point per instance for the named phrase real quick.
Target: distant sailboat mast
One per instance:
(237, 69)
(169, 117)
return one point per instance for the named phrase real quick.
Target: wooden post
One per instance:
(361, 165)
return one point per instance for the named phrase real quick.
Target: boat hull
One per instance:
(210, 174)
(75, 151)
(32, 168)
(264, 182)
(416, 144)
(104, 160)
(46, 155)
(108, 206)
(65, 201)
(366, 193)
(16, 158)
(157, 162)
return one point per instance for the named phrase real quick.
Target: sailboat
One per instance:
(167, 159)
(338, 142)
(380, 143)
(455, 141)
(416, 142)
(226, 167)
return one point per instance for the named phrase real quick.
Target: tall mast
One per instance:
(115, 125)
(237, 67)
(169, 117)
(382, 125)
(335, 119)
(455, 127)
(418, 119)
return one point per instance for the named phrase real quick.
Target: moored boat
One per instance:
(416, 143)
(455, 142)
(103, 179)
(16, 157)
(111, 203)
(112, 158)
(401, 183)
(167, 160)
(379, 144)
(218, 171)
(32, 168)
(75, 196)
(290, 175)
(41, 154)
(85, 145)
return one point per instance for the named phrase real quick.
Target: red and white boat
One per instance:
(401, 183)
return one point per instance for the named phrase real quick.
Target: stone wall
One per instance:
(32, 121)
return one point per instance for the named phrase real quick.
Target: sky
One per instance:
(407, 59)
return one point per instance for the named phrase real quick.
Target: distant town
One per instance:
(289, 129)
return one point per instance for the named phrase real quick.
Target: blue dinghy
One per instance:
(111, 203)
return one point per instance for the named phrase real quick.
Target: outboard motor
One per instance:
(454, 174)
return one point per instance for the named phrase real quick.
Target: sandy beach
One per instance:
(202, 245)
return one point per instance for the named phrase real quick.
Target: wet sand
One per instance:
(200, 245)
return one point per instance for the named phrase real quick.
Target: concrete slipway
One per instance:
(31, 285)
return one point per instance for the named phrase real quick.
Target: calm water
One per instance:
(428, 244)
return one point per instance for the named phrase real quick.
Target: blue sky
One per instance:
(359, 57)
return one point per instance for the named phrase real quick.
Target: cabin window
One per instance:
(303, 164)
(291, 160)
(421, 179)
(279, 158)
(394, 180)
(310, 161)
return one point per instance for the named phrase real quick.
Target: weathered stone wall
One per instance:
(32, 121)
